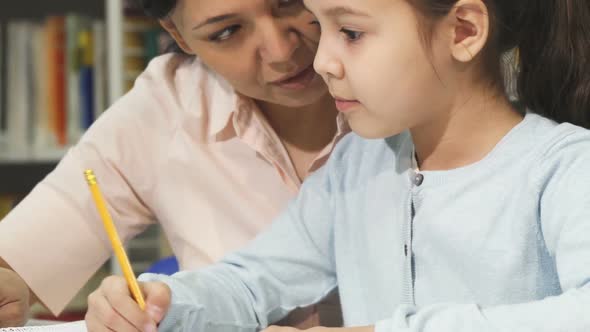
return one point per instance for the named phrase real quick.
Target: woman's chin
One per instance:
(301, 99)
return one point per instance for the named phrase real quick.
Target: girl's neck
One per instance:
(466, 133)
(309, 128)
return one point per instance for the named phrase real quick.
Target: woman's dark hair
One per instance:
(553, 42)
(159, 9)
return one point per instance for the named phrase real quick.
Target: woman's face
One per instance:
(264, 48)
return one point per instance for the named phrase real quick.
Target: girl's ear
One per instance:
(471, 27)
(169, 26)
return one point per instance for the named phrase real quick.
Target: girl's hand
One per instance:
(112, 308)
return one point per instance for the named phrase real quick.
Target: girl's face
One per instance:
(264, 48)
(372, 56)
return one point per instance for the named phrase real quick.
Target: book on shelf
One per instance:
(18, 101)
(74, 24)
(86, 77)
(57, 76)
(100, 69)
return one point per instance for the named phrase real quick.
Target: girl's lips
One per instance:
(346, 106)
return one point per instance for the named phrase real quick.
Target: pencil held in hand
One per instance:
(114, 238)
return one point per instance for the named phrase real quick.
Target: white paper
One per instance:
(79, 326)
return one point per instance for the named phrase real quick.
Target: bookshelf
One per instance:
(111, 12)
(21, 171)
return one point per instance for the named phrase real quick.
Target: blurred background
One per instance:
(62, 63)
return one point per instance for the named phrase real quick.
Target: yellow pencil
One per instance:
(114, 238)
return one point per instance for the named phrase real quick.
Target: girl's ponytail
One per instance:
(553, 39)
(554, 60)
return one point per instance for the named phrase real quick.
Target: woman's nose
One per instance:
(279, 43)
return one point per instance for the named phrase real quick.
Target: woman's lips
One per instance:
(299, 81)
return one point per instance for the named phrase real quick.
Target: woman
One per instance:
(211, 145)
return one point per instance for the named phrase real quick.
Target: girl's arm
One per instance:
(288, 266)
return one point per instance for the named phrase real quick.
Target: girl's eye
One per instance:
(224, 34)
(351, 35)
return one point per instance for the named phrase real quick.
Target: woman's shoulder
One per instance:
(176, 69)
(183, 82)
(173, 89)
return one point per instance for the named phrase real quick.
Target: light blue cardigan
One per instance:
(500, 245)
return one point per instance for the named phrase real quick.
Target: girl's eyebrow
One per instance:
(343, 10)
(215, 19)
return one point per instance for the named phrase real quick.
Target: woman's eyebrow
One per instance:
(215, 19)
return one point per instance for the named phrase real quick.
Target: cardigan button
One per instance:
(418, 179)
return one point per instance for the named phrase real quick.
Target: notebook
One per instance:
(78, 326)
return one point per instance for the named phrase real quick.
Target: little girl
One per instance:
(450, 209)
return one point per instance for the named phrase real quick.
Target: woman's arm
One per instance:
(54, 238)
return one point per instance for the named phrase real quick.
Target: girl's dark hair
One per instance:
(552, 38)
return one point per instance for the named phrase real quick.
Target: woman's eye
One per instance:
(351, 35)
(224, 34)
(287, 3)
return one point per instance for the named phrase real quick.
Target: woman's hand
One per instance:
(14, 299)
(112, 308)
